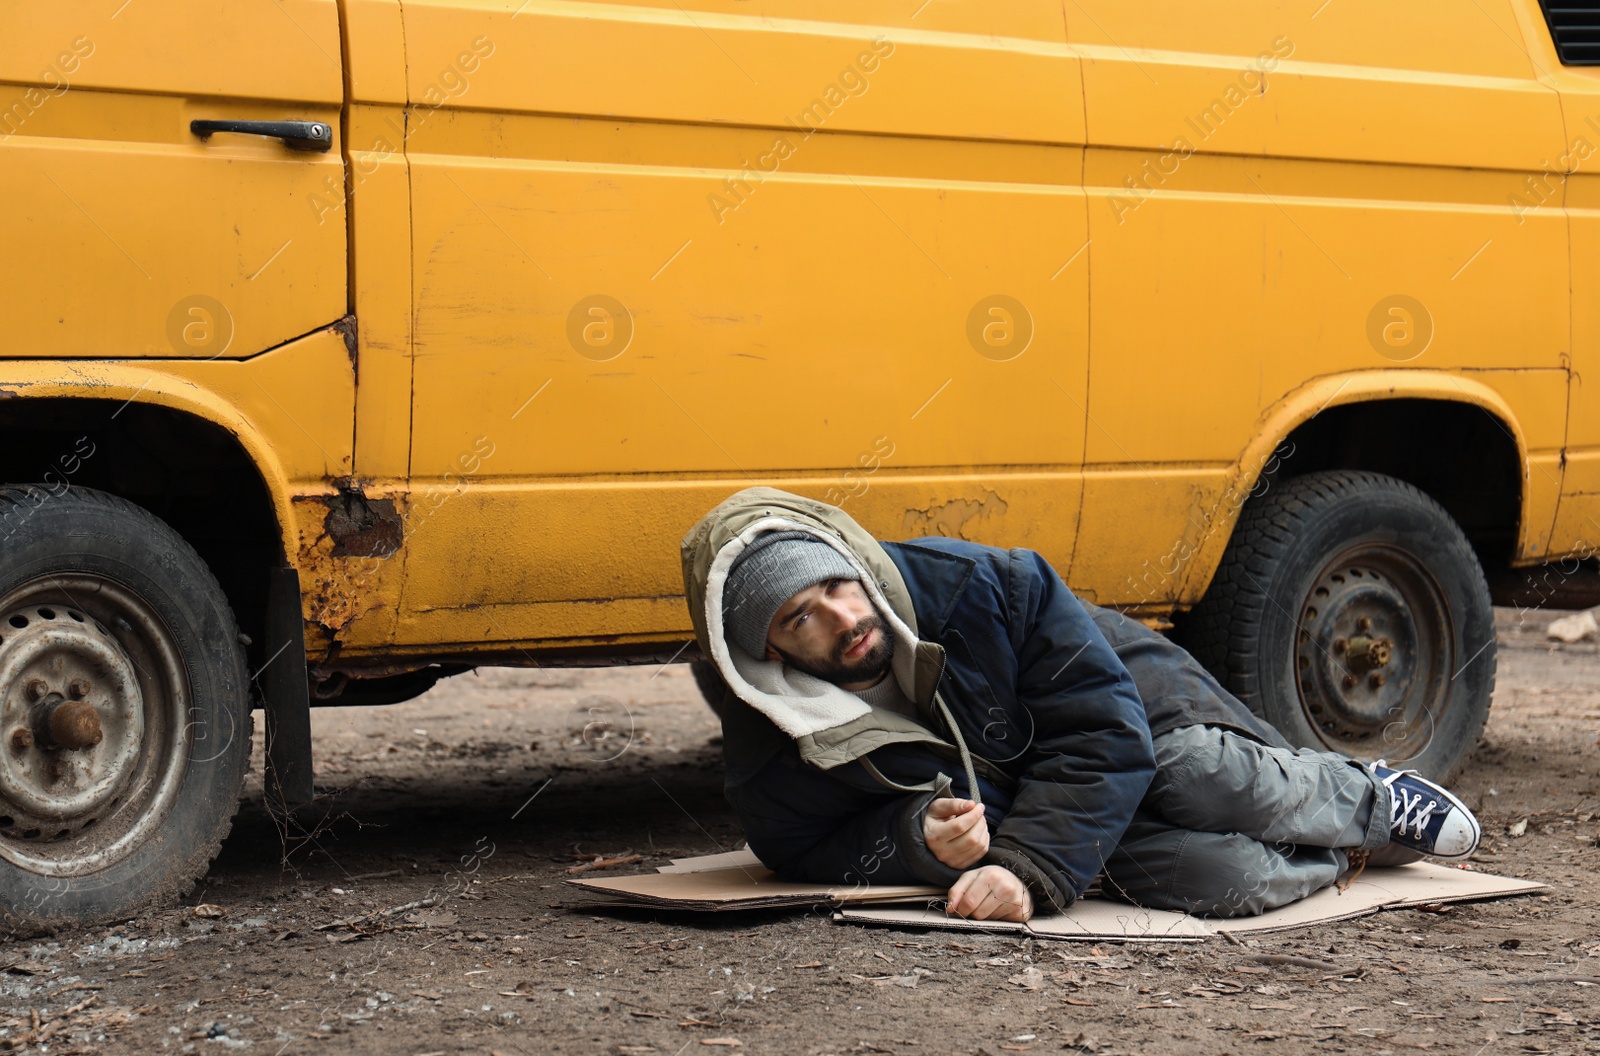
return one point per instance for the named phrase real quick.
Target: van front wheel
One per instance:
(124, 721)
(1351, 613)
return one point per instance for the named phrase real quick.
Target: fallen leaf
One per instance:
(606, 863)
(813, 964)
(1030, 978)
(432, 918)
(733, 1043)
(1274, 1006)
(1078, 1001)
(431, 995)
(28, 968)
(209, 910)
(1518, 829)
(910, 980)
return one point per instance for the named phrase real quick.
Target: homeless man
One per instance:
(942, 712)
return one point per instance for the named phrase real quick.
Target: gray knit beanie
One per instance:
(774, 568)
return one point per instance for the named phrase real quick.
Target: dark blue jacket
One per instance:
(1038, 685)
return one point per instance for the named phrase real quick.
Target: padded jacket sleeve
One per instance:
(838, 827)
(1088, 760)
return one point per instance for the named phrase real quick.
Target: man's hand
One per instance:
(955, 832)
(991, 893)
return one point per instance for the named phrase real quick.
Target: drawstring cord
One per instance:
(961, 746)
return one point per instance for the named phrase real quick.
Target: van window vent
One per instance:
(1575, 25)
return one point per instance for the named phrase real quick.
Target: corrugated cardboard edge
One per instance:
(726, 860)
(738, 887)
(1421, 884)
(1087, 920)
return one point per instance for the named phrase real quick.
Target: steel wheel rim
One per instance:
(105, 798)
(1370, 678)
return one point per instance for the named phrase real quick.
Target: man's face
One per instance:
(831, 631)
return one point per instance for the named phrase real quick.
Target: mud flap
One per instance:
(286, 687)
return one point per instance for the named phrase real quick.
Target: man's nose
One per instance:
(843, 618)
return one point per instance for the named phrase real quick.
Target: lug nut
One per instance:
(1375, 679)
(1338, 645)
(1349, 681)
(22, 738)
(37, 689)
(79, 688)
(1364, 623)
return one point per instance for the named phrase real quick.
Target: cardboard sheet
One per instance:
(1091, 919)
(736, 880)
(1421, 884)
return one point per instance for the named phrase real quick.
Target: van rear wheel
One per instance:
(1351, 613)
(124, 721)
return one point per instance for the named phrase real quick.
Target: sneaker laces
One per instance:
(1408, 811)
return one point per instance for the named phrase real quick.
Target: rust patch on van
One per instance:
(346, 540)
(956, 518)
(359, 526)
(346, 328)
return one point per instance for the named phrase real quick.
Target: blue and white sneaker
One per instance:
(1426, 818)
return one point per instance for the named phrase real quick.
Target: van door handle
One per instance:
(297, 135)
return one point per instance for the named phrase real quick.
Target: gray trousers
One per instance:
(1231, 827)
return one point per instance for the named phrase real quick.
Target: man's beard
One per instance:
(837, 670)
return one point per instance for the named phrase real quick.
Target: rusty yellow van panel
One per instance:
(698, 281)
(289, 409)
(1002, 272)
(141, 239)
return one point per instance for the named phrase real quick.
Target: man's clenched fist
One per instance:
(955, 832)
(991, 893)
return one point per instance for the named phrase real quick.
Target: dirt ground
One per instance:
(484, 794)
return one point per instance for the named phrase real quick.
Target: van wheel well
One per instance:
(192, 474)
(1459, 454)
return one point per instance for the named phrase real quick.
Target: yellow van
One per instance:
(353, 343)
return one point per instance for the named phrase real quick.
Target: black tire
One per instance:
(102, 604)
(1280, 624)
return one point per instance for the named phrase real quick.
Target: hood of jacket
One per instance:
(832, 725)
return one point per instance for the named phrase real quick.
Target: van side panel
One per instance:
(660, 257)
(1275, 198)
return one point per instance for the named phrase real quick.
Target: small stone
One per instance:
(1579, 627)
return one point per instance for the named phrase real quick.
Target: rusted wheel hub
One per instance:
(65, 758)
(1371, 654)
(94, 735)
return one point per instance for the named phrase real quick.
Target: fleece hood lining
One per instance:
(799, 704)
